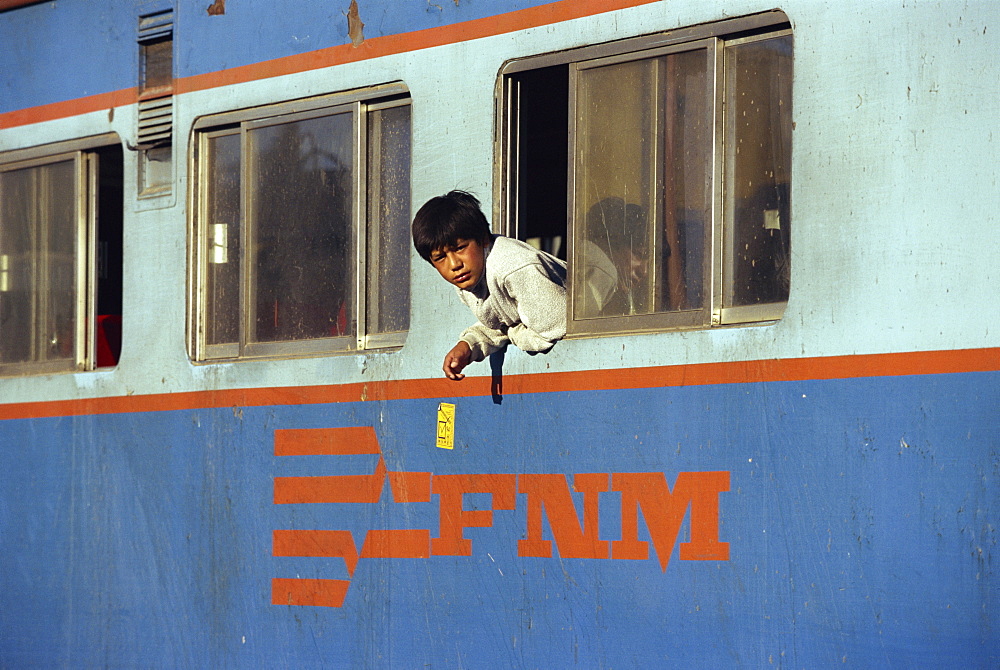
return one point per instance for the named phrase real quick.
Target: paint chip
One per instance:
(217, 8)
(355, 28)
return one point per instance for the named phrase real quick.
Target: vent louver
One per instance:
(155, 122)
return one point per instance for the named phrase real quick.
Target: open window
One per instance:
(302, 227)
(61, 257)
(660, 168)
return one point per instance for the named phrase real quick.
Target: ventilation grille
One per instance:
(156, 49)
(155, 122)
(155, 26)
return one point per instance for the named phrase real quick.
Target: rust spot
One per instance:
(111, 115)
(355, 28)
(216, 8)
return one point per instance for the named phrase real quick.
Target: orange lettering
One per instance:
(396, 543)
(552, 493)
(309, 592)
(664, 511)
(451, 489)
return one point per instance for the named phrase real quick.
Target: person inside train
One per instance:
(516, 292)
(615, 259)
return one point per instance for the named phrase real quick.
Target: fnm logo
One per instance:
(663, 511)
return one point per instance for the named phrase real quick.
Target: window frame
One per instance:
(86, 183)
(360, 104)
(716, 38)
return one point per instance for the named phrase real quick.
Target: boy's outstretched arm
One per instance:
(456, 360)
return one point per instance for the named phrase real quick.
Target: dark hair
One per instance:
(444, 220)
(613, 225)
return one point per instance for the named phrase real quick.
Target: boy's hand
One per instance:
(456, 360)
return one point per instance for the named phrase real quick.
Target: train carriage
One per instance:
(767, 439)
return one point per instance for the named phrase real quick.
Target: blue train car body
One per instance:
(815, 490)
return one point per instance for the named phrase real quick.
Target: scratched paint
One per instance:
(860, 511)
(148, 515)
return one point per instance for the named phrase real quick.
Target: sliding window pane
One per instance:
(614, 190)
(301, 194)
(759, 119)
(388, 296)
(222, 239)
(38, 247)
(59, 230)
(17, 259)
(643, 187)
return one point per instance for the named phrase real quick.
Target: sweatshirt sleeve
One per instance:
(541, 306)
(483, 341)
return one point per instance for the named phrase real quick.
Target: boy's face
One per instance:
(462, 264)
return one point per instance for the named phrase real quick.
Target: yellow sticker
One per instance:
(446, 425)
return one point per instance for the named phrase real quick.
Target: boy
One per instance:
(517, 293)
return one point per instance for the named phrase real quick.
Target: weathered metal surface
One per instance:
(857, 435)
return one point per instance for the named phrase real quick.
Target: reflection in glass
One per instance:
(301, 211)
(642, 193)
(759, 82)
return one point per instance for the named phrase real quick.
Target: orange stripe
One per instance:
(325, 441)
(376, 47)
(11, 4)
(68, 108)
(785, 369)
(331, 489)
(309, 592)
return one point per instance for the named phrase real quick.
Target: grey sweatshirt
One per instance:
(521, 299)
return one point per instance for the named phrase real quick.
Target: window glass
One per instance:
(38, 232)
(222, 289)
(109, 214)
(156, 169)
(643, 152)
(301, 216)
(759, 76)
(389, 220)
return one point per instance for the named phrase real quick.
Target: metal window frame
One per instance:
(359, 103)
(85, 183)
(506, 178)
